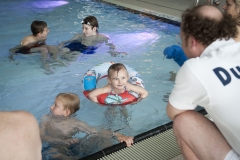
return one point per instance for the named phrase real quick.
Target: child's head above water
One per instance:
(38, 27)
(90, 26)
(65, 104)
(116, 67)
(117, 75)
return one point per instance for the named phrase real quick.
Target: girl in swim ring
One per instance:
(117, 84)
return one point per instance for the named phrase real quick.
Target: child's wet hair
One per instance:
(115, 67)
(70, 101)
(92, 21)
(38, 27)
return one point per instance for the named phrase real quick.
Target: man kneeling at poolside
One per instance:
(211, 79)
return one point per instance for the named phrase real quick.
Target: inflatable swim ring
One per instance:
(99, 71)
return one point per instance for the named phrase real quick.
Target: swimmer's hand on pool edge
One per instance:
(122, 138)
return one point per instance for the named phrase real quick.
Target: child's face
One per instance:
(44, 34)
(119, 79)
(88, 30)
(230, 8)
(57, 109)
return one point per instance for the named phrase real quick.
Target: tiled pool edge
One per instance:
(167, 146)
(145, 12)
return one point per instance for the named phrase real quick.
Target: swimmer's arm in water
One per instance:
(109, 43)
(93, 94)
(112, 49)
(141, 91)
(13, 51)
(83, 127)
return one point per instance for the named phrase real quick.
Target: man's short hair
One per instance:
(206, 29)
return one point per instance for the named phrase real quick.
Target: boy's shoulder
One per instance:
(28, 39)
(103, 36)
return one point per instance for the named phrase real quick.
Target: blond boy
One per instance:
(59, 127)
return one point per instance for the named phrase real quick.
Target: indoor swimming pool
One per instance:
(25, 85)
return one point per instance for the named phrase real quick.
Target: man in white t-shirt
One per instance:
(211, 79)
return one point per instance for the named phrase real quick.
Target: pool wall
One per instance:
(162, 8)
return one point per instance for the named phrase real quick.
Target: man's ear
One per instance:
(94, 29)
(192, 42)
(195, 46)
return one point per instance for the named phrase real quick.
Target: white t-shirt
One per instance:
(213, 82)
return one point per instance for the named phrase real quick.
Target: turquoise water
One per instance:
(24, 85)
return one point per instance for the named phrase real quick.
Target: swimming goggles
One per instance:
(86, 23)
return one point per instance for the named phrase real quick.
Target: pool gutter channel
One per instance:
(163, 134)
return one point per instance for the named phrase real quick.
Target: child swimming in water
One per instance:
(88, 41)
(59, 127)
(36, 42)
(117, 84)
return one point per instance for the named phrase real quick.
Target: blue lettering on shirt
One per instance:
(219, 71)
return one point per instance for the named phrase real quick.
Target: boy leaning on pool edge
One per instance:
(60, 126)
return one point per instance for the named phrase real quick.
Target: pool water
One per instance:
(24, 85)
